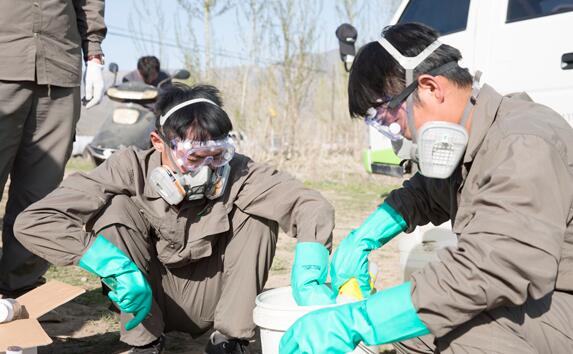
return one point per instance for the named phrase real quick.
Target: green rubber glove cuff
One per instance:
(385, 317)
(129, 288)
(104, 259)
(351, 257)
(392, 316)
(309, 272)
(382, 225)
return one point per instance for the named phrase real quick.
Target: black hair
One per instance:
(148, 67)
(209, 122)
(375, 73)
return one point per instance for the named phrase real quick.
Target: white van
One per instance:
(519, 45)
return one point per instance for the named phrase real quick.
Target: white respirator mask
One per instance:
(438, 146)
(204, 176)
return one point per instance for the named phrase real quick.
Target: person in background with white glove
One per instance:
(93, 81)
(41, 45)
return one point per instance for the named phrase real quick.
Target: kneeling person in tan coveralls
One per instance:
(501, 169)
(184, 234)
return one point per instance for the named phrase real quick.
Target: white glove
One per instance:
(93, 83)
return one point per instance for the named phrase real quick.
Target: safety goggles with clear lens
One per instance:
(386, 120)
(386, 116)
(192, 155)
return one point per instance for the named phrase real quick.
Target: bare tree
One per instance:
(296, 104)
(251, 14)
(349, 10)
(374, 15)
(187, 43)
(296, 39)
(369, 17)
(206, 10)
(150, 16)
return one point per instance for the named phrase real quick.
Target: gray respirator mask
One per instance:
(206, 166)
(177, 187)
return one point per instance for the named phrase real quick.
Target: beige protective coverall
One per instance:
(507, 286)
(205, 261)
(41, 43)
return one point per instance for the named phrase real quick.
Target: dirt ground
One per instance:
(86, 324)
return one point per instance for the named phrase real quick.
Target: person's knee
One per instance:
(252, 230)
(122, 224)
(192, 317)
(266, 230)
(251, 246)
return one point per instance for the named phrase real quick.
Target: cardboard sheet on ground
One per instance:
(27, 332)
(22, 333)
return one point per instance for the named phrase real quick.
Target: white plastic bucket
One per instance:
(422, 246)
(276, 310)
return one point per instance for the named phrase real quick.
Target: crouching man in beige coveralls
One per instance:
(184, 234)
(501, 169)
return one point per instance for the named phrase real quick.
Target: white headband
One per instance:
(163, 118)
(408, 63)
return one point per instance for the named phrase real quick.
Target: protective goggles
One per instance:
(192, 155)
(386, 116)
(386, 120)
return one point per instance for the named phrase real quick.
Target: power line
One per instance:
(173, 45)
(225, 54)
(145, 37)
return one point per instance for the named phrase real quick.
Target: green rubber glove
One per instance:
(350, 259)
(130, 291)
(308, 275)
(387, 316)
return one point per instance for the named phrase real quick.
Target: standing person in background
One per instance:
(41, 44)
(148, 71)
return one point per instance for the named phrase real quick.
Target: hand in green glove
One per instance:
(387, 316)
(350, 259)
(308, 275)
(130, 290)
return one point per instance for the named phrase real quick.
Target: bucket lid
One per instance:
(276, 309)
(280, 299)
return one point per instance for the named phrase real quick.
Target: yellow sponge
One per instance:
(351, 289)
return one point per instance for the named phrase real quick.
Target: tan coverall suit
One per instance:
(41, 43)
(508, 285)
(205, 261)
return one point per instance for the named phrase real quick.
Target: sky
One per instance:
(125, 51)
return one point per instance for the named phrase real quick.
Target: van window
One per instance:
(519, 10)
(446, 16)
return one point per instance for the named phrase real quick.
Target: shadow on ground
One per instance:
(99, 343)
(86, 325)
